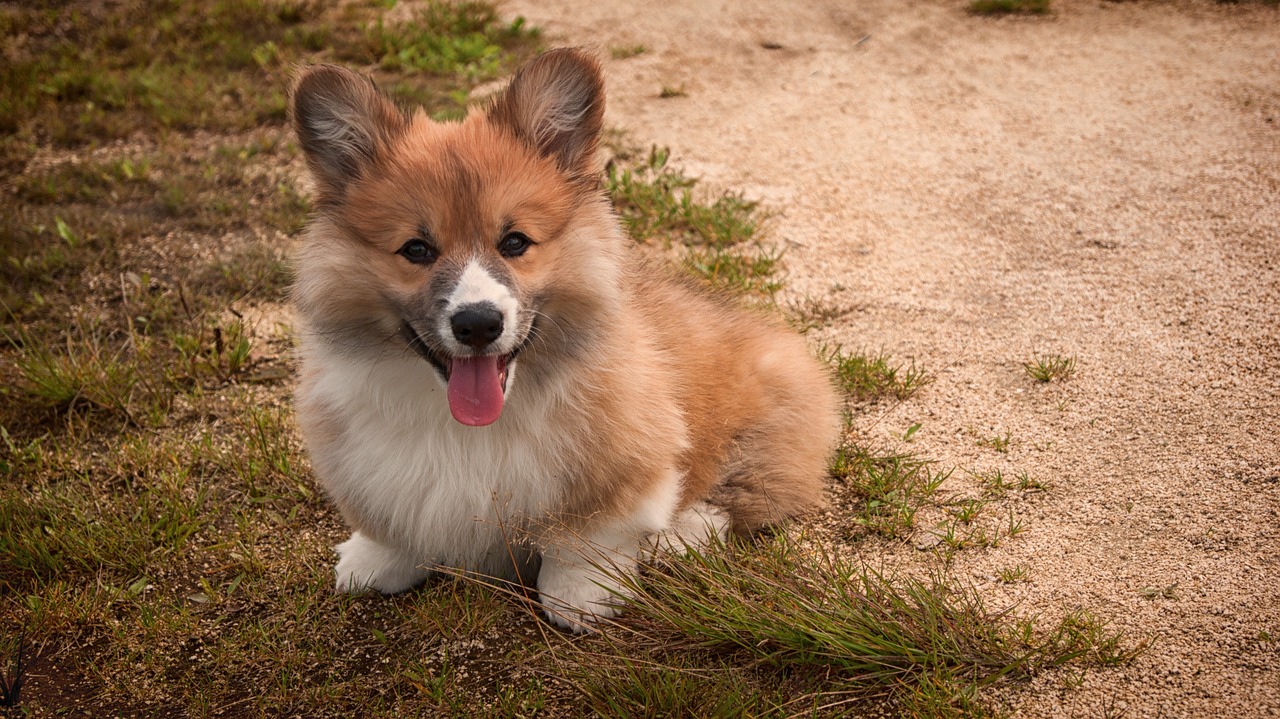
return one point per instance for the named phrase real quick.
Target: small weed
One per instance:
(445, 38)
(1013, 575)
(752, 273)
(668, 91)
(720, 238)
(888, 489)
(1009, 7)
(865, 377)
(966, 510)
(996, 484)
(955, 535)
(1073, 680)
(993, 483)
(656, 201)
(1046, 368)
(911, 431)
(1091, 639)
(1014, 526)
(623, 52)
(1027, 483)
(999, 443)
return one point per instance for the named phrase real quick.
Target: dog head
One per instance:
(464, 242)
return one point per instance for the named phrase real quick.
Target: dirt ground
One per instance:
(1102, 183)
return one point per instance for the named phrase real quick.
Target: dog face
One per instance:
(451, 239)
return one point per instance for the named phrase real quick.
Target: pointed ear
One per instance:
(555, 104)
(343, 123)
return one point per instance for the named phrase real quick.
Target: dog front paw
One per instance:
(577, 597)
(364, 564)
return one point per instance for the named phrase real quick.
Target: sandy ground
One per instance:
(1104, 184)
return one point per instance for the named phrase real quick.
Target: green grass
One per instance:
(996, 484)
(719, 239)
(623, 52)
(865, 376)
(1013, 575)
(65, 239)
(83, 75)
(1009, 7)
(838, 630)
(618, 685)
(1050, 367)
(999, 442)
(884, 490)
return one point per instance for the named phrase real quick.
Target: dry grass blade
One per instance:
(805, 610)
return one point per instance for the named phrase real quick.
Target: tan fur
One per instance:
(630, 373)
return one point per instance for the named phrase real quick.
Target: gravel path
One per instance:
(1103, 183)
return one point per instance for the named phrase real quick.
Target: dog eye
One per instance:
(514, 244)
(419, 252)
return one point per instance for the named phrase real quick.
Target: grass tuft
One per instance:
(720, 237)
(809, 313)
(444, 38)
(811, 613)
(657, 201)
(865, 377)
(886, 489)
(999, 442)
(623, 52)
(1046, 368)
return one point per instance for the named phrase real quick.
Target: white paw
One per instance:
(576, 597)
(364, 564)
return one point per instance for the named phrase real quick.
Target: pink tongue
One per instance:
(475, 390)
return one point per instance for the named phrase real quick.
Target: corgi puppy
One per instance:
(494, 381)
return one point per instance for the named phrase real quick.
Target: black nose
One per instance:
(477, 325)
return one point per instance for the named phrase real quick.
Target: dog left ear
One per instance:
(555, 104)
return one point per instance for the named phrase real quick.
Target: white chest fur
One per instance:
(448, 493)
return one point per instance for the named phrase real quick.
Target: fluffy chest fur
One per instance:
(405, 472)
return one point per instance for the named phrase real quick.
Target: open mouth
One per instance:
(477, 384)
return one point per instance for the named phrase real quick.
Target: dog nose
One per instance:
(477, 325)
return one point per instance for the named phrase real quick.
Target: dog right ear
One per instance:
(343, 123)
(555, 104)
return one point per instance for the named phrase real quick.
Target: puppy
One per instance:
(493, 381)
